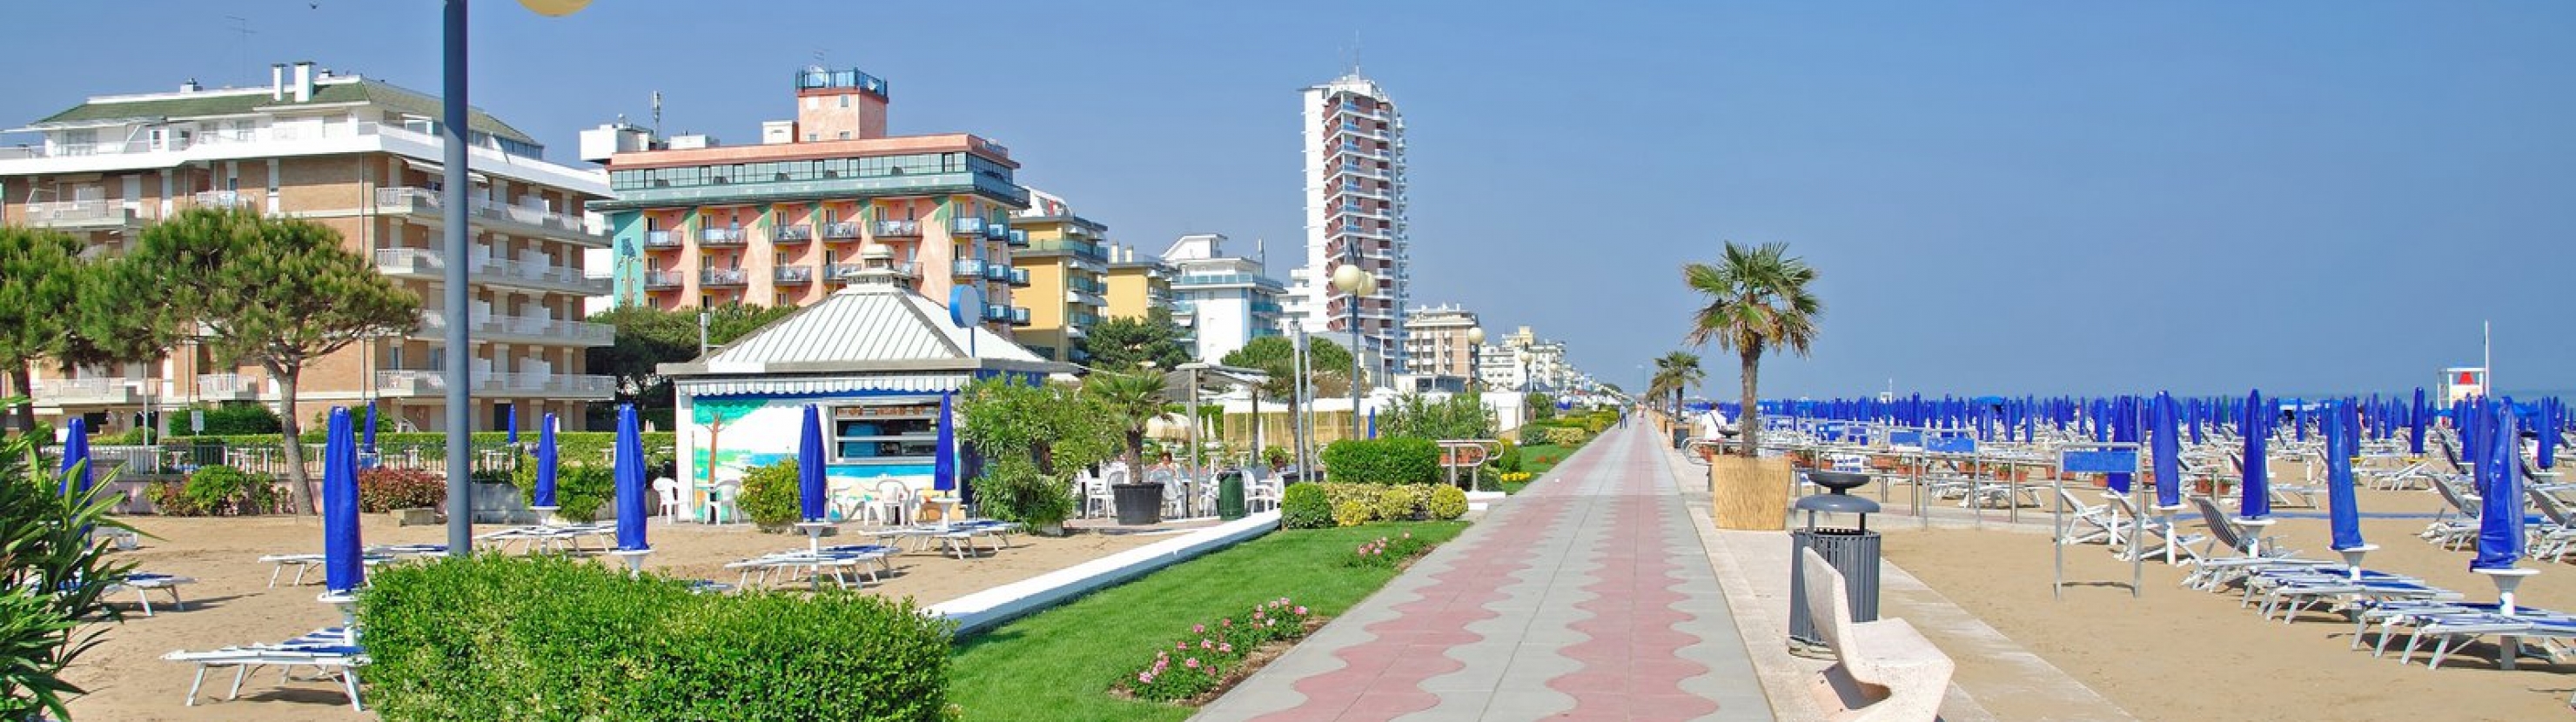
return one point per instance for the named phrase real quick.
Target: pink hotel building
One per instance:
(783, 222)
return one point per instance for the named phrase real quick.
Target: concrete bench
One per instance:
(1887, 671)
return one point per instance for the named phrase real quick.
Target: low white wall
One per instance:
(985, 609)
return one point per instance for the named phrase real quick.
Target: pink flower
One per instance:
(1283, 600)
(1301, 610)
(1198, 629)
(1194, 663)
(1256, 615)
(1181, 645)
(1144, 678)
(1226, 622)
(1227, 648)
(1207, 644)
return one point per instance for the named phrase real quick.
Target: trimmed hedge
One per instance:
(588, 447)
(1383, 461)
(1303, 506)
(492, 637)
(1314, 505)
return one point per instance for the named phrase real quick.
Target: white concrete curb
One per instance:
(985, 609)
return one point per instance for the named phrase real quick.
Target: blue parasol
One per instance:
(514, 423)
(343, 556)
(75, 468)
(1372, 431)
(2547, 456)
(2166, 436)
(943, 467)
(629, 468)
(2123, 429)
(2343, 515)
(547, 465)
(2256, 492)
(2500, 534)
(2416, 420)
(369, 433)
(811, 498)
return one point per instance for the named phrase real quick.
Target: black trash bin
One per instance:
(1138, 504)
(1681, 436)
(1229, 495)
(1853, 552)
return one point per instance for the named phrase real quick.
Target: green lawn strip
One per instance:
(1061, 663)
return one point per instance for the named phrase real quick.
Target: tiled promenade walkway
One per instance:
(1587, 597)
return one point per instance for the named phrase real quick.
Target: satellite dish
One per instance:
(965, 306)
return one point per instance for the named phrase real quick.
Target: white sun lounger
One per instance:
(548, 537)
(375, 555)
(143, 583)
(837, 560)
(329, 651)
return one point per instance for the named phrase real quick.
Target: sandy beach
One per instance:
(232, 604)
(2179, 654)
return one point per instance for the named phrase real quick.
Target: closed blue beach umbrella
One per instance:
(548, 462)
(2123, 429)
(811, 498)
(2343, 510)
(343, 556)
(2167, 439)
(514, 424)
(369, 435)
(2415, 423)
(2547, 425)
(2500, 533)
(629, 468)
(2255, 500)
(943, 464)
(75, 468)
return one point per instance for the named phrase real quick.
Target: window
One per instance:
(845, 101)
(811, 137)
(886, 432)
(845, 135)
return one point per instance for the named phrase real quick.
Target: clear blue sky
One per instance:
(2002, 196)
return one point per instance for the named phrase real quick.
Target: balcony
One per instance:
(527, 221)
(1020, 278)
(722, 277)
(1019, 316)
(89, 392)
(898, 229)
(967, 226)
(1078, 296)
(546, 385)
(523, 329)
(1018, 238)
(793, 275)
(664, 279)
(661, 239)
(798, 233)
(841, 231)
(80, 215)
(721, 236)
(997, 313)
(997, 272)
(968, 268)
(539, 275)
(225, 199)
(227, 387)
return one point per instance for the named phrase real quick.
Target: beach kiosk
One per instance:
(880, 360)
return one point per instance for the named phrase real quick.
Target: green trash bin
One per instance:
(1229, 495)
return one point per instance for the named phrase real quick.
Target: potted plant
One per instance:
(1758, 300)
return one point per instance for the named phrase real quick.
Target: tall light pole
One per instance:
(454, 131)
(1475, 358)
(1358, 284)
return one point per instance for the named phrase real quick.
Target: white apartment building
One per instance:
(1355, 215)
(360, 156)
(1225, 301)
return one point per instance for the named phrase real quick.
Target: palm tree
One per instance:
(1758, 299)
(1680, 370)
(1134, 398)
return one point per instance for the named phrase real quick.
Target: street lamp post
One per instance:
(1475, 357)
(454, 131)
(1358, 284)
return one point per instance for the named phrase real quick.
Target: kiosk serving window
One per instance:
(886, 432)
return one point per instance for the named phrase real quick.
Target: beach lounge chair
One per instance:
(332, 652)
(2092, 522)
(2283, 494)
(2156, 532)
(2290, 590)
(2235, 551)
(143, 583)
(374, 555)
(549, 537)
(835, 560)
(2456, 523)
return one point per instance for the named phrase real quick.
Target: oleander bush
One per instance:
(381, 490)
(581, 489)
(1383, 461)
(226, 490)
(1303, 506)
(1394, 504)
(1352, 513)
(1447, 502)
(493, 637)
(770, 496)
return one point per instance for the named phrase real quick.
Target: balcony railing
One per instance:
(77, 213)
(968, 225)
(841, 231)
(997, 312)
(664, 279)
(413, 261)
(227, 386)
(899, 228)
(1019, 316)
(1019, 238)
(224, 199)
(793, 275)
(661, 239)
(416, 383)
(714, 277)
(798, 233)
(968, 267)
(582, 333)
(720, 236)
(537, 274)
(89, 390)
(1020, 277)
(410, 199)
(997, 272)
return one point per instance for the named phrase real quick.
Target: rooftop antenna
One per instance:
(241, 50)
(657, 114)
(818, 59)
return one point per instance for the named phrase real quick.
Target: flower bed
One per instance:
(1211, 658)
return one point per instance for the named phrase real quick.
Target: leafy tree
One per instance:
(1127, 342)
(49, 581)
(1461, 416)
(275, 292)
(1541, 407)
(648, 337)
(36, 283)
(1038, 437)
(1276, 356)
(1758, 299)
(1133, 399)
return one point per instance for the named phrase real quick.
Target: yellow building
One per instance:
(1137, 286)
(1067, 262)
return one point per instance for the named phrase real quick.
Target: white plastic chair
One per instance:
(895, 499)
(1095, 495)
(669, 488)
(722, 501)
